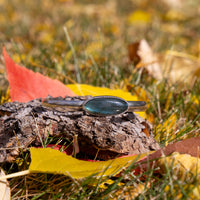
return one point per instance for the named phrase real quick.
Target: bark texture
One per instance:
(26, 124)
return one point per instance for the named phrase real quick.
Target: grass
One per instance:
(86, 42)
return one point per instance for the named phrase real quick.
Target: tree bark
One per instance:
(28, 124)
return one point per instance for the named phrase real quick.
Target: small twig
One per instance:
(75, 145)
(97, 154)
(22, 173)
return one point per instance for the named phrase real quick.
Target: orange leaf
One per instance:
(26, 85)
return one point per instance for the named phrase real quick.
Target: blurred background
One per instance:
(100, 32)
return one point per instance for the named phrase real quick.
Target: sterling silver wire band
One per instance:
(99, 105)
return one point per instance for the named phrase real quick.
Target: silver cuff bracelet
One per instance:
(99, 105)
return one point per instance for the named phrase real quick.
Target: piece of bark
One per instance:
(25, 124)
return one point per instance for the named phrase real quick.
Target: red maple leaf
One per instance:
(26, 85)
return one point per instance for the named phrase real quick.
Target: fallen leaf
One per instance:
(174, 66)
(26, 85)
(4, 188)
(193, 191)
(173, 3)
(139, 17)
(133, 52)
(46, 160)
(131, 192)
(175, 15)
(147, 58)
(179, 67)
(183, 165)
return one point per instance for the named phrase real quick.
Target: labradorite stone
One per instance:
(106, 106)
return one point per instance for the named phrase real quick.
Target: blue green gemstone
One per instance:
(104, 106)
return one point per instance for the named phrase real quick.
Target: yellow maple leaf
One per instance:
(183, 165)
(47, 160)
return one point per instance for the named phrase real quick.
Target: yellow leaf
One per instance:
(196, 192)
(183, 164)
(18, 58)
(175, 15)
(193, 191)
(6, 97)
(83, 90)
(106, 183)
(131, 192)
(180, 67)
(195, 99)
(139, 16)
(46, 37)
(47, 160)
(175, 66)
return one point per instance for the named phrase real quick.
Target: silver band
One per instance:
(137, 105)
